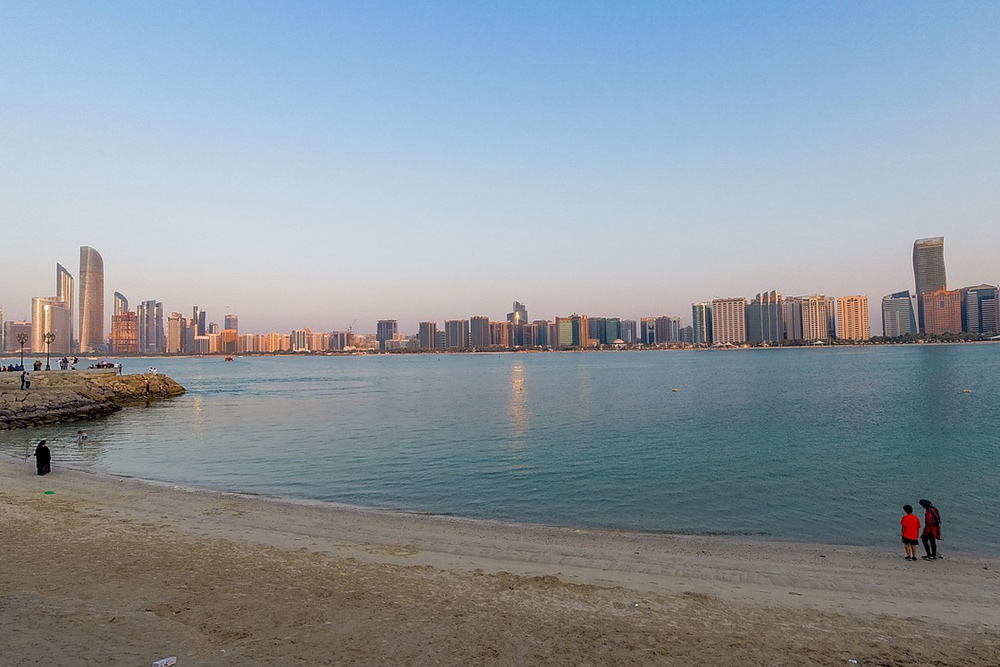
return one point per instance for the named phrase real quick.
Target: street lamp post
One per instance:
(22, 338)
(49, 337)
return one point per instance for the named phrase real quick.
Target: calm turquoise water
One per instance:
(817, 444)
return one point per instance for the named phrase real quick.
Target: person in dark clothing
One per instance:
(43, 459)
(932, 529)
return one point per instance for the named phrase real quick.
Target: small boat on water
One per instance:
(229, 358)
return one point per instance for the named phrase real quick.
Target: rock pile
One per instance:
(61, 396)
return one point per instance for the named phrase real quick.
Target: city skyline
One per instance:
(316, 166)
(144, 327)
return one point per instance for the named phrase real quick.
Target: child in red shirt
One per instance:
(911, 531)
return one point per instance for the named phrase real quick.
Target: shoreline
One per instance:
(208, 572)
(760, 539)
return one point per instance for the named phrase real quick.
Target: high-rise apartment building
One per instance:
(500, 334)
(765, 318)
(929, 273)
(91, 301)
(899, 315)
(852, 318)
(815, 318)
(231, 322)
(942, 311)
(647, 330)
(456, 334)
(791, 316)
(980, 309)
(125, 333)
(176, 333)
(564, 332)
(198, 321)
(150, 326)
(11, 330)
(479, 332)
(542, 333)
(628, 332)
(729, 324)
(701, 324)
(385, 330)
(612, 330)
(666, 330)
(427, 335)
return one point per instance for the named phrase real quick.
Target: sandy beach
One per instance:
(117, 571)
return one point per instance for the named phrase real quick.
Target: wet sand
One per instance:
(116, 571)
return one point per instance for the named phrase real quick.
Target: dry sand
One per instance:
(115, 571)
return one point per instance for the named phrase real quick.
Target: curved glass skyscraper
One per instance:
(928, 271)
(91, 300)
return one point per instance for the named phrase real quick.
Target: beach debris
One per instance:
(853, 661)
(166, 662)
(49, 493)
(966, 391)
(675, 390)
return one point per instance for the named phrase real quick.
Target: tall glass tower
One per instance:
(64, 293)
(91, 300)
(928, 271)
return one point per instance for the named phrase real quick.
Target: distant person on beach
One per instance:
(911, 530)
(43, 459)
(25, 379)
(932, 529)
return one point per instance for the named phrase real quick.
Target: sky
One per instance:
(322, 164)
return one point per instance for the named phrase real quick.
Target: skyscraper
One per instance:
(428, 335)
(765, 321)
(928, 271)
(384, 331)
(151, 338)
(91, 300)
(50, 315)
(942, 311)
(64, 293)
(231, 322)
(456, 334)
(518, 314)
(176, 333)
(11, 329)
(852, 318)
(647, 330)
(198, 318)
(701, 324)
(729, 317)
(899, 315)
(979, 309)
(815, 318)
(479, 332)
(120, 304)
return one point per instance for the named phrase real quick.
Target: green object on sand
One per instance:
(49, 493)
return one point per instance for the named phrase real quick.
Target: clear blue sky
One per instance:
(309, 164)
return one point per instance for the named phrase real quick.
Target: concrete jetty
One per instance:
(64, 396)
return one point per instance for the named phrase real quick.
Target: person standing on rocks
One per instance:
(43, 459)
(26, 379)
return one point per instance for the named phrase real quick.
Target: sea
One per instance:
(820, 445)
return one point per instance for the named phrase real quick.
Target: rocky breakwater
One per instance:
(62, 396)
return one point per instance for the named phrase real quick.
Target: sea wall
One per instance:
(62, 396)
